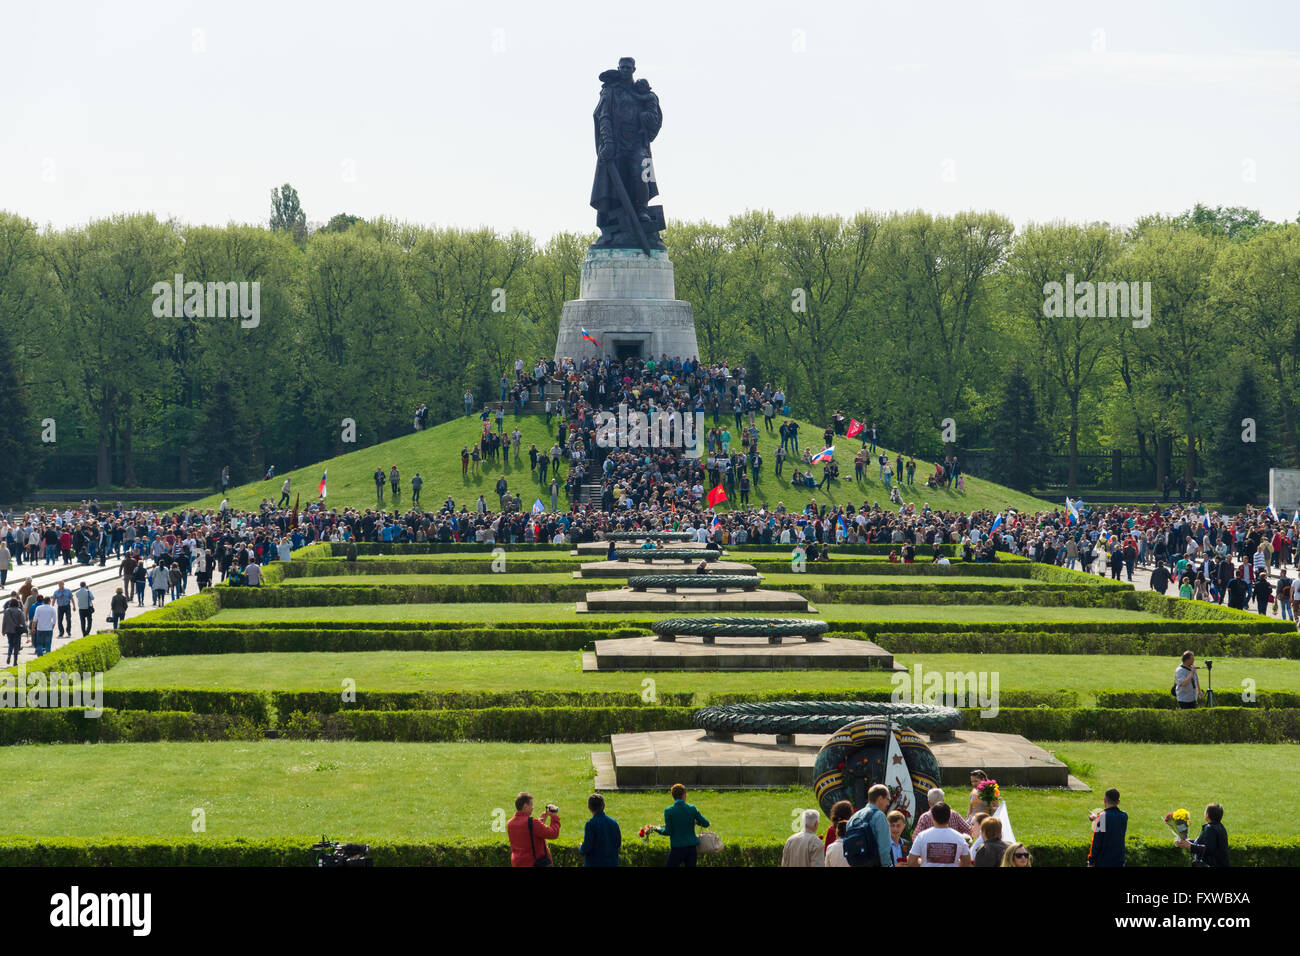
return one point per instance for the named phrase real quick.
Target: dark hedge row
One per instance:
(170, 641)
(1216, 725)
(1280, 850)
(515, 724)
(342, 595)
(88, 655)
(1006, 698)
(1169, 645)
(24, 725)
(1165, 700)
(948, 595)
(329, 701)
(336, 566)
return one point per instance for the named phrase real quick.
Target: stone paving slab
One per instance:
(695, 599)
(737, 654)
(659, 759)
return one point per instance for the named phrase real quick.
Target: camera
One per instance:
(1209, 665)
(552, 808)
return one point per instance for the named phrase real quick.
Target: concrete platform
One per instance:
(657, 760)
(626, 569)
(693, 599)
(737, 654)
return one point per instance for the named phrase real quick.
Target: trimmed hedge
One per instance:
(331, 701)
(1006, 698)
(170, 641)
(515, 724)
(1163, 700)
(949, 594)
(92, 654)
(251, 704)
(336, 595)
(195, 607)
(1182, 609)
(1153, 626)
(30, 725)
(339, 549)
(334, 567)
(1272, 850)
(1214, 725)
(1169, 645)
(1059, 575)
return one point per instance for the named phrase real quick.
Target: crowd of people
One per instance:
(871, 836)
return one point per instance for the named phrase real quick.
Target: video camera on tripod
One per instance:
(330, 853)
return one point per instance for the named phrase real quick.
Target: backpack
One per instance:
(860, 840)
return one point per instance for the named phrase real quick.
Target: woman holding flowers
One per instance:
(984, 794)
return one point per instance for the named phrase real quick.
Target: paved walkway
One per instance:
(103, 583)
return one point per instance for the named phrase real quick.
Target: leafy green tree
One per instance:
(20, 446)
(287, 214)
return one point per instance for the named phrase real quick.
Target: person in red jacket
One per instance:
(523, 850)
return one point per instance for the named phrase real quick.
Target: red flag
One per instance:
(716, 496)
(855, 428)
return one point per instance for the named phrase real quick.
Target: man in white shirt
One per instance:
(805, 848)
(43, 619)
(939, 845)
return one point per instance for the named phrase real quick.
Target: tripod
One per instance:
(1209, 680)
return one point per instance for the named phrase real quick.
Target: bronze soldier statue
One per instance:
(627, 119)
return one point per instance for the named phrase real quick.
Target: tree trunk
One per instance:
(1164, 452)
(128, 457)
(1072, 481)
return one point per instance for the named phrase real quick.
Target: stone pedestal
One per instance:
(627, 302)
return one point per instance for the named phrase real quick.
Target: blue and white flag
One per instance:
(538, 507)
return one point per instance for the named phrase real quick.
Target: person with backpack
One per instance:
(866, 837)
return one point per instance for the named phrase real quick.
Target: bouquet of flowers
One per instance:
(1179, 820)
(989, 792)
(645, 831)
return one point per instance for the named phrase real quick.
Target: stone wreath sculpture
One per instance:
(786, 717)
(649, 536)
(671, 582)
(773, 628)
(665, 554)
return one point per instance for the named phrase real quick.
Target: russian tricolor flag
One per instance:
(320, 489)
(997, 523)
(1205, 521)
(587, 336)
(826, 454)
(1271, 511)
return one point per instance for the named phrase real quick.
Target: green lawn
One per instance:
(435, 454)
(413, 791)
(490, 613)
(562, 671)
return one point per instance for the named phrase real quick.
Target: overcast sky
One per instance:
(480, 114)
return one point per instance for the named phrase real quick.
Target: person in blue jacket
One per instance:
(679, 824)
(602, 837)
